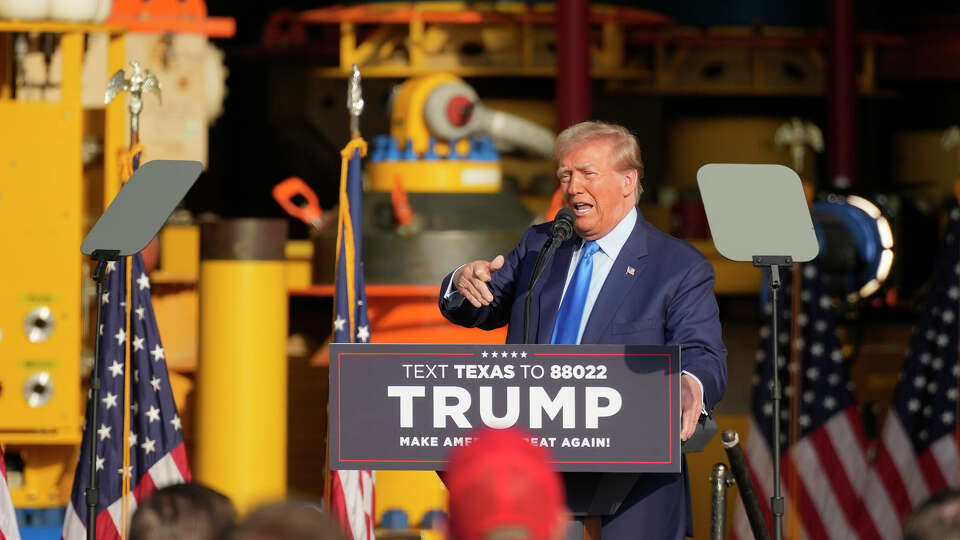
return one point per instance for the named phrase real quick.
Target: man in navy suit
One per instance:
(636, 285)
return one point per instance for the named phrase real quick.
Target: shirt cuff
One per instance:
(703, 402)
(452, 297)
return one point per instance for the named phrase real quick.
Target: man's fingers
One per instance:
(484, 291)
(496, 263)
(481, 270)
(688, 422)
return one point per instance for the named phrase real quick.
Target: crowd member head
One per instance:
(182, 512)
(287, 521)
(937, 518)
(503, 488)
(599, 168)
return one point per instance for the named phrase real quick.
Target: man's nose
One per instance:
(575, 185)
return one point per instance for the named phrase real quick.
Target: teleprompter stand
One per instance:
(130, 222)
(759, 214)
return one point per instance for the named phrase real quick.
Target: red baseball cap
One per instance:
(501, 482)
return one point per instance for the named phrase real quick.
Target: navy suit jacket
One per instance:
(667, 300)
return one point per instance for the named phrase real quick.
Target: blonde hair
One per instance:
(624, 148)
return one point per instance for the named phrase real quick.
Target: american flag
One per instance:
(157, 454)
(824, 464)
(351, 492)
(917, 456)
(8, 517)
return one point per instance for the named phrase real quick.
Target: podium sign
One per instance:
(599, 408)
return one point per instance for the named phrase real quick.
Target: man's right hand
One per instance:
(471, 280)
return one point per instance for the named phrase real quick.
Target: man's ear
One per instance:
(629, 182)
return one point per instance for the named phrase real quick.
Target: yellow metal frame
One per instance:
(42, 213)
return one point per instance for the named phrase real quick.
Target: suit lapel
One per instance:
(551, 290)
(618, 284)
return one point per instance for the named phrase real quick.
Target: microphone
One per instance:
(562, 228)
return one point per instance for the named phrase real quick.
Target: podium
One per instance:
(606, 413)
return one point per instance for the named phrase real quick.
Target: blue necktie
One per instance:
(567, 328)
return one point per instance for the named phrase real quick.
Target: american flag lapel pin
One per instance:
(631, 270)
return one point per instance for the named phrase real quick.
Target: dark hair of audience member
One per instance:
(183, 512)
(937, 518)
(287, 521)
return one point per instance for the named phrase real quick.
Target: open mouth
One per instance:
(581, 208)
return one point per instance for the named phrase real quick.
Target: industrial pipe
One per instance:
(242, 373)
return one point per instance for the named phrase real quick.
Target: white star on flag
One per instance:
(121, 336)
(110, 400)
(104, 431)
(153, 414)
(139, 312)
(157, 352)
(176, 422)
(148, 445)
(137, 343)
(128, 473)
(100, 462)
(143, 282)
(105, 299)
(155, 383)
(111, 266)
(363, 333)
(132, 439)
(135, 407)
(338, 323)
(116, 368)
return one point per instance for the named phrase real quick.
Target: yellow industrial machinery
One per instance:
(43, 205)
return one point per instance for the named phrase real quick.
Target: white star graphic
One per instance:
(105, 299)
(120, 336)
(494, 354)
(100, 462)
(136, 375)
(128, 473)
(157, 352)
(513, 354)
(139, 312)
(135, 407)
(523, 354)
(110, 400)
(176, 422)
(116, 368)
(132, 439)
(153, 414)
(338, 324)
(137, 343)
(143, 281)
(155, 383)
(111, 266)
(484, 354)
(148, 445)
(363, 333)
(104, 431)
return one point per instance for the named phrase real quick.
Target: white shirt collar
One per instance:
(612, 242)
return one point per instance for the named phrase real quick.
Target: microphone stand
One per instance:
(543, 259)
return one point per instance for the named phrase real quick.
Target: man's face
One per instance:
(599, 195)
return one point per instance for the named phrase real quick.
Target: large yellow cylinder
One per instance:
(242, 373)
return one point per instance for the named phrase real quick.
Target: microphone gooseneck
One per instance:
(560, 231)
